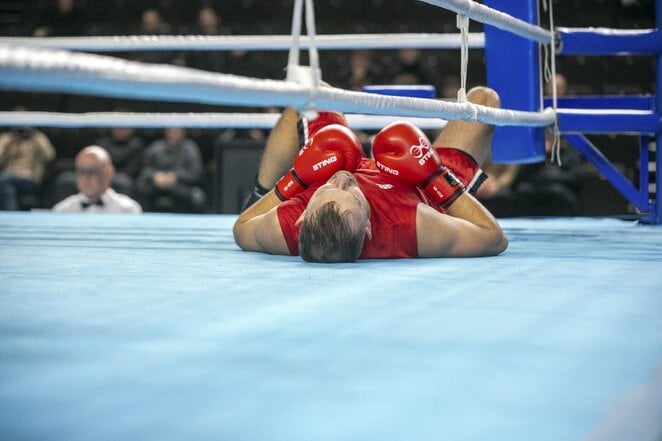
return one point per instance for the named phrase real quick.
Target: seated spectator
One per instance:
(549, 189)
(151, 23)
(208, 23)
(640, 13)
(64, 18)
(561, 86)
(241, 62)
(125, 151)
(94, 173)
(172, 169)
(24, 153)
(412, 68)
(361, 71)
(539, 189)
(450, 87)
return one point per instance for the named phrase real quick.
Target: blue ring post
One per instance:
(656, 205)
(513, 70)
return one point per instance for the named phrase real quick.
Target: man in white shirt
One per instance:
(94, 174)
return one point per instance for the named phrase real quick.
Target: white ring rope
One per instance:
(48, 70)
(188, 120)
(501, 20)
(136, 43)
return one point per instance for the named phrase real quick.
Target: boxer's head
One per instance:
(336, 221)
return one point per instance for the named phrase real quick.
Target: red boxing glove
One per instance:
(332, 148)
(308, 127)
(402, 150)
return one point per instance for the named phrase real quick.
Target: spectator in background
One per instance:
(151, 23)
(24, 153)
(208, 23)
(641, 13)
(561, 86)
(94, 173)
(361, 71)
(256, 64)
(242, 62)
(549, 189)
(63, 18)
(411, 68)
(172, 169)
(451, 85)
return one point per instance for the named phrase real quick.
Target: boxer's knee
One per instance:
(484, 96)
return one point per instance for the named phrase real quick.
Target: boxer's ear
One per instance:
(300, 219)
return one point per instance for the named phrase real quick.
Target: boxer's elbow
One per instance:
(497, 242)
(241, 236)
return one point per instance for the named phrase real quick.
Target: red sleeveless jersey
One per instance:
(392, 214)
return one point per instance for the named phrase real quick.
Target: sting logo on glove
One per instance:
(421, 151)
(417, 151)
(325, 162)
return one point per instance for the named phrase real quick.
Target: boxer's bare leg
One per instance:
(281, 149)
(474, 138)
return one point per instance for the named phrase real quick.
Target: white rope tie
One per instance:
(293, 58)
(550, 76)
(309, 76)
(313, 55)
(547, 66)
(463, 26)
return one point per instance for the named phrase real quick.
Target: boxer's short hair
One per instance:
(326, 236)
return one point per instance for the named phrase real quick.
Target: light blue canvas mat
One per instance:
(157, 327)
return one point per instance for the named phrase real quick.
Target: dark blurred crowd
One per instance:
(174, 170)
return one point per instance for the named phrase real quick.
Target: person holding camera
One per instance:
(24, 153)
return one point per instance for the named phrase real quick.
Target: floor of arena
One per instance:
(157, 327)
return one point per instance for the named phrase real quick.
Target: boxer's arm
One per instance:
(257, 228)
(468, 230)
